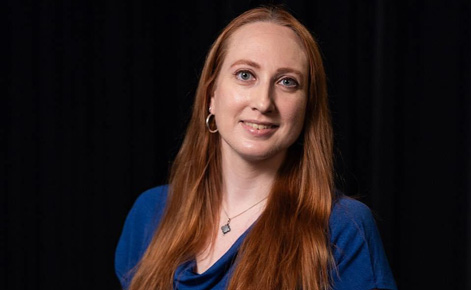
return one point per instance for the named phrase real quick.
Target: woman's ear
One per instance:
(212, 103)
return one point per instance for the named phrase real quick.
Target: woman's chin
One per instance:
(263, 155)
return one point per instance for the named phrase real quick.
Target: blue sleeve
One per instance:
(138, 231)
(361, 263)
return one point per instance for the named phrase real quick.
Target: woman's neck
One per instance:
(247, 182)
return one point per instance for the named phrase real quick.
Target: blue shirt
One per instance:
(361, 263)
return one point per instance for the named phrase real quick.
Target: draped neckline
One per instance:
(217, 274)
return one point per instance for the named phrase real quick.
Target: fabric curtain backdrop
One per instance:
(99, 94)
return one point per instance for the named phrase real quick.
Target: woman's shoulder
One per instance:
(147, 210)
(139, 227)
(357, 248)
(347, 210)
(151, 200)
(148, 207)
(351, 220)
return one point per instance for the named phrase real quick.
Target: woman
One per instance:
(250, 204)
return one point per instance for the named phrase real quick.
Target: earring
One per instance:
(208, 119)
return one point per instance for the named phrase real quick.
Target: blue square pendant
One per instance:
(225, 229)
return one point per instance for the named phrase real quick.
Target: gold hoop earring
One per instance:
(208, 119)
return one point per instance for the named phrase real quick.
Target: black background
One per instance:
(99, 94)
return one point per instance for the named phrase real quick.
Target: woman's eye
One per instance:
(289, 82)
(244, 75)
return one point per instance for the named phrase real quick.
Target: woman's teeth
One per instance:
(258, 126)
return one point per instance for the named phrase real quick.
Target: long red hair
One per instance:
(294, 225)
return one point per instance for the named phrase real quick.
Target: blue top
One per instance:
(356, 247)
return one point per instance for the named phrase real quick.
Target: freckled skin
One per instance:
(263, 80)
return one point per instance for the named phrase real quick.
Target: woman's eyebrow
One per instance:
(246, 62)
(290, 70)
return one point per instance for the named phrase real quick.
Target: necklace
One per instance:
(227, 228)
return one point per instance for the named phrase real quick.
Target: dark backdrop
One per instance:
(99, 93)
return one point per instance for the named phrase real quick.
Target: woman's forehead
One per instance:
(265, 43)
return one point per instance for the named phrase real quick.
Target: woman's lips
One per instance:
(259, 128)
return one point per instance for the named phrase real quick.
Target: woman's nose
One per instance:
(262, 98)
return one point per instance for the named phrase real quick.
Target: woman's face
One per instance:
(260, 95)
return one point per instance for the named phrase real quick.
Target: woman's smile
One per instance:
(259, 129)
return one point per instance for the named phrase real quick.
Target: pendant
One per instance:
(225, 229)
